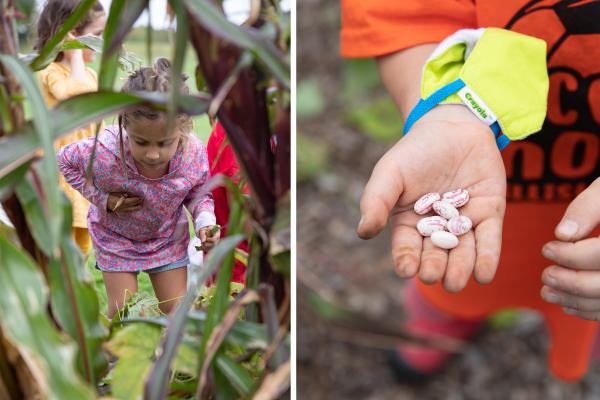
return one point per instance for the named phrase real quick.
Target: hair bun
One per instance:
(162, 65)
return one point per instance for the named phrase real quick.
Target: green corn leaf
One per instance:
(127, 61)
(24, 319)
(249, 335)
(108, 61)
(181, 39)
(237, 376)
(8, 182)
(135, 345)
(30, 196)
(127, 18)
(75, 303)
(41, 123)
(72, 297)
(156, 386)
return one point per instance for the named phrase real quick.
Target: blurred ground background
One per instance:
(345, 123)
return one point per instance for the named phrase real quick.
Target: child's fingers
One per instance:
(584, 254)
(582, 215)
(212, 240)
(379, 197)
(568, 300)
(407, 244)
(578, 283)
(461, 262)
(488, 242)
(202, 234)
(433, 262)
(132, 201)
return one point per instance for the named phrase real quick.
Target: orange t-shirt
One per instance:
(547, 170)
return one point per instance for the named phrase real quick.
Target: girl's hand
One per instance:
(209, 236)
(73, 56)
(123, 202)
(448, 149)
(574, 283)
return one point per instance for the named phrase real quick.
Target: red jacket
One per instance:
(222, 161)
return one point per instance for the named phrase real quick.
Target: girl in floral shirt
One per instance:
(142, 176)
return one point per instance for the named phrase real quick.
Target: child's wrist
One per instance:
(455, 113)
(499, 75)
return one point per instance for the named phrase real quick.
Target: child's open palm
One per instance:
(445, 150)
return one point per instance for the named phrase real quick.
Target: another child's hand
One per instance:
(574, 283)
(446, 150)
(75, 55)
(118, 202)
(209, 236)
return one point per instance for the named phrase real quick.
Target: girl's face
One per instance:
(96, 28)
(151, 147)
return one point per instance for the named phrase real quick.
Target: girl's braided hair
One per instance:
(55, 14)
(152, 79)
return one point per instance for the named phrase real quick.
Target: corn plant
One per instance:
(53, 337)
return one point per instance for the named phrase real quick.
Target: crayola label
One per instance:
(476, 105)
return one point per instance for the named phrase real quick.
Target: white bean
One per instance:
(444, 240)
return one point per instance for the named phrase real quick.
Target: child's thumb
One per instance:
(379, 197)
(582, 215)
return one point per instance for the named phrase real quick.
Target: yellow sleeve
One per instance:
(61, 86)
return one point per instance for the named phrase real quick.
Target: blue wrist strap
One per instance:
(425, 105)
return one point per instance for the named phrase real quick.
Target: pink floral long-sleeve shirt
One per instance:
(158, 233)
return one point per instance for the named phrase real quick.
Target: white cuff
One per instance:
(469, 37)
(194, 255)
(205, 218)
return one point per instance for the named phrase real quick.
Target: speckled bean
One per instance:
(456, 198)
(459, 225)
(445, 210)
(428, 225)
(425, 203)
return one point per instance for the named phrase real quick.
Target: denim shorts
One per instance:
(162, 268)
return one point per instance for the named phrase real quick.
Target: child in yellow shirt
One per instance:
(68, 76)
